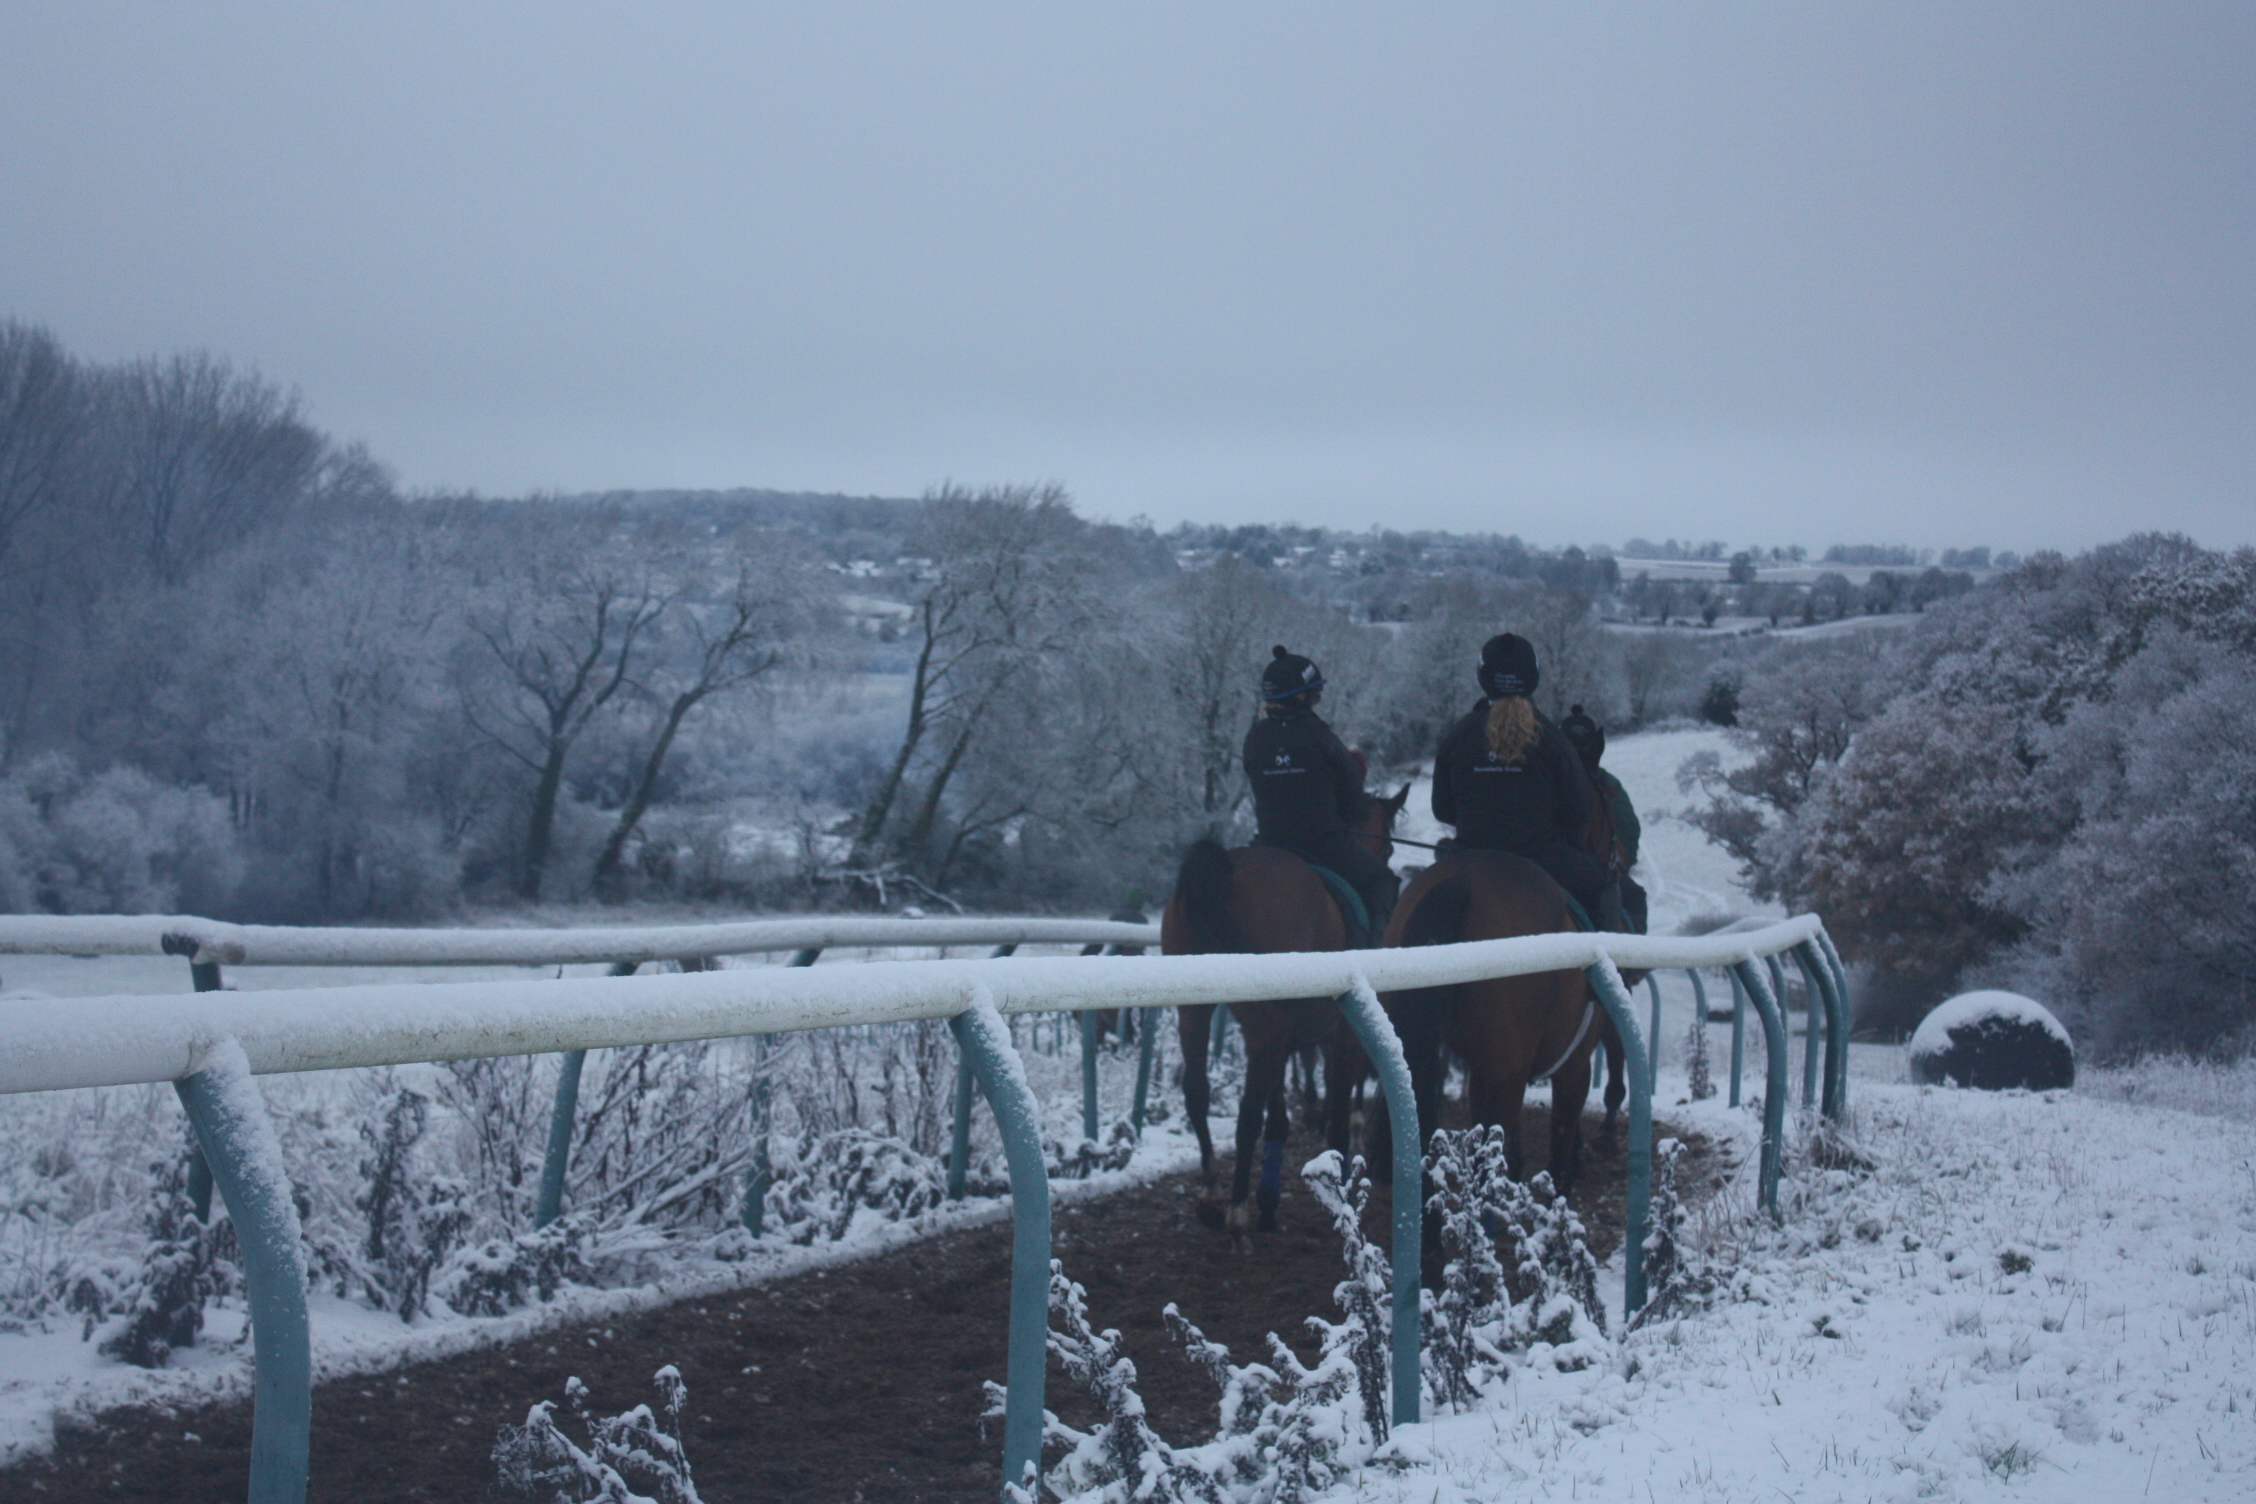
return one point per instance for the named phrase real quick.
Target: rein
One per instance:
(1370, 835)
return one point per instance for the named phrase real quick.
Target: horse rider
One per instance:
(1507, 778)
(1307, 786)
(1588, 738)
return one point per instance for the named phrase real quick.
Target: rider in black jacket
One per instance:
(1509, 781)
(1307, 785)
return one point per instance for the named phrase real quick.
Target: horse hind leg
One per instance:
(1264, 1092)
(1617, 1089)
(1271, 1187)
(1570, 1088)
(1192, 1025)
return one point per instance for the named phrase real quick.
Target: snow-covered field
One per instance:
(2025, 1297)
(1996, 1297)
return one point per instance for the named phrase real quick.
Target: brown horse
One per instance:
(1260, 900)
(1508, 1030)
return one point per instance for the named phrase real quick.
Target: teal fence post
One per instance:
(1380, 1044)
(1819, 980)
(224, 1106)
(1812, 1029)
(1622, 1009)
(1653, 1040)
(1088, 1075)
(548, 1202)
(959, 1139)
(959, 1134)
(204, 977)
(1775, 1072)
(1147, 1041)
(1738, 1031)
(985, 1041)
(1832, 960)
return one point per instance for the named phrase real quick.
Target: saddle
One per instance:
(1352, 912)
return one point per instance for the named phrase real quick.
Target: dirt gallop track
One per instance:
(858, 1383)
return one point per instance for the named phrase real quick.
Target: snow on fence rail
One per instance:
(211, 1043)
(214, 942)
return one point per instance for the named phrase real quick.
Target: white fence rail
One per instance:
(119, 1040)
(215, 942)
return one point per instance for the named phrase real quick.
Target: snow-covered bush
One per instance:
(1123, 1459)
(1088, 1157)
(115, 842)
(1288, 1432)
(1517, 1270)
(158, 1303)
(630, 1458)
(1993, 1041)
(1677, 1276)
(846, 1179)
(663, 1136)
(501, 1274)
(1697, 1066)
(414, 1221)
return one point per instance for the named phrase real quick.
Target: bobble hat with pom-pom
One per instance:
(1288, 674)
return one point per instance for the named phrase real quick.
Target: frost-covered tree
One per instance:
(1797, 708)
(2139, 917)
(561, 623)
(1900, 847)
(1006, 581)
(708, 644)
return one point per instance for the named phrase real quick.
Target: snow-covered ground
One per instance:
(2044, 1297)
(2023, 1297)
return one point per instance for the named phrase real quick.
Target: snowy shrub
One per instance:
(1697, 1067)
(629, 1459)
(159, 1304)
(1366, 1296)
(413, 1222)
(1462, 1322)
(117, 842)
(847, 1179)
(663, 1136)
(501, 1274)
(1993, 1041)
(499, 1109)
(1123, 1459)
(1677, 1276)
(1088, 1157)
(1517, 1271)
(1287, 1432)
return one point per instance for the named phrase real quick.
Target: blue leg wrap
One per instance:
(1272, 1167)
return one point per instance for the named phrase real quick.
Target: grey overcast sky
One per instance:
(1938, 274)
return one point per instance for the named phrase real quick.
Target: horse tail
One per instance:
(1202, 887)
(1439, 919)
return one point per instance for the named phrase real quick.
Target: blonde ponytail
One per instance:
(1512, 727)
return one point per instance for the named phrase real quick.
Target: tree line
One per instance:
(2049, 785)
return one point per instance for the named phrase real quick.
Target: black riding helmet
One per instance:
(1289, 674)
(1507, 666)
(1586, 736)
